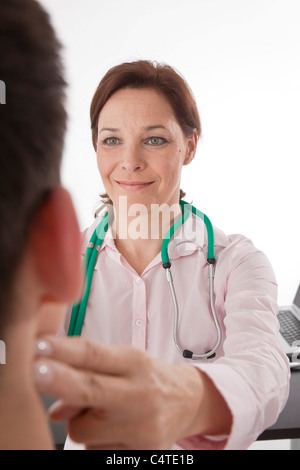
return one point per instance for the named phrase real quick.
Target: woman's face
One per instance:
(141, 148)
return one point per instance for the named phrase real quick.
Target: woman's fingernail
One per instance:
(43, 348)
(54, 407)
(42, 373)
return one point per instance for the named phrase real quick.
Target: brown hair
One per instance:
(33, 123)
(146, 74)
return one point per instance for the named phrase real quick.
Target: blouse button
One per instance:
(139, 322)
(138, 281)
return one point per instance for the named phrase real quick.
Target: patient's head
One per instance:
(33, 123)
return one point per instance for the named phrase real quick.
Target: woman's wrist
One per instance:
(206, 410)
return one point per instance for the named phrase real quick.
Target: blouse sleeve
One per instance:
(253, 374)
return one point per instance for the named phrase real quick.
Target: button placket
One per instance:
(139, 314)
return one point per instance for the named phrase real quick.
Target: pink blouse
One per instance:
(250, 368)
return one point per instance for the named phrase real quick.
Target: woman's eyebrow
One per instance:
(109, 129)
(147, 128)
(156, 126)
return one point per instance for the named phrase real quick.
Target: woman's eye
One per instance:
(156, 141)
(111, 141)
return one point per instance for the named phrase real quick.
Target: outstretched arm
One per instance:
(118, 397)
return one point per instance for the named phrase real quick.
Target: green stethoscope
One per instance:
(79, 309)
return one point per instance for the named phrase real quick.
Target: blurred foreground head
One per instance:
(32, 128)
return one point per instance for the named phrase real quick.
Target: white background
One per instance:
(242, 60)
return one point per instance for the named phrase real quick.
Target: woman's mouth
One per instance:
(134, 185)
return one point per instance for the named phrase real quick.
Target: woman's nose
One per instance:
(132, 159)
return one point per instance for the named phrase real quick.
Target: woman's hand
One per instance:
(117, 397)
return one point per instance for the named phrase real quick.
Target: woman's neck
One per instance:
(139, 237)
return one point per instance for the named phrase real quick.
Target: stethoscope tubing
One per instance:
(186, 352)
(90, 258)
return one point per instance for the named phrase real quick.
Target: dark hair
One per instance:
(146, 74)
(33, 123)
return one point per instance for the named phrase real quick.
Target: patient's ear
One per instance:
(55, 243)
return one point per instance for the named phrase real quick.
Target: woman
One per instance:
(145, 128)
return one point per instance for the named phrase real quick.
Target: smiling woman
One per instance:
(141, 149)
(138, 155)
(145, 128)
(170, 87)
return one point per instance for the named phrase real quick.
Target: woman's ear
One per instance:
(192, 141)
(55, 243)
